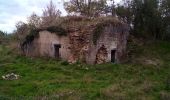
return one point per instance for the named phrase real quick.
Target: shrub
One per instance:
(30, 37)
(65, 63)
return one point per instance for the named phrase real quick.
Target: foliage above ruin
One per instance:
(74, 23)
(78, 22)
(90, 8)
(97, 25)
(50, 14)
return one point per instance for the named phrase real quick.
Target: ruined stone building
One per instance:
(92, 41)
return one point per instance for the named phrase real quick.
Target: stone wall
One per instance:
(78, 45)
(107, 39)
(44, 45)
(112, 38)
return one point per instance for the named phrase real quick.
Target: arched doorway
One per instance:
(101, 55)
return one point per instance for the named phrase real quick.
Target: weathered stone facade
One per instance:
(79, 45)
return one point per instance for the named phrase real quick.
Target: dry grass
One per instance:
(113, 92)
(87, 79)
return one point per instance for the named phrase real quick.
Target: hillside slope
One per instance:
(146, 76)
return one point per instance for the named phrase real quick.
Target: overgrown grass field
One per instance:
(146, 76)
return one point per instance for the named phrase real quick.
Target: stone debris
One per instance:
(152, 62)
(10, 76)
(72, 60)
(101, 55)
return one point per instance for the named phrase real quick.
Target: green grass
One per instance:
(52, 79)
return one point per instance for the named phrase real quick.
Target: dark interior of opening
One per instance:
(56, 50)
(113, 55)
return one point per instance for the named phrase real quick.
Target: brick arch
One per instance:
(101, 55)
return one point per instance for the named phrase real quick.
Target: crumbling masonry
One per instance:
(94, 43)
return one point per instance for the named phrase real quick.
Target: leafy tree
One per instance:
(34, 20)
(147, 20)
(22, 30)
(112, 8)
(89, 8)
(165, 12)
(3, 37)
(124, 13)
(2, 33)
(144, 16)
(50, 14)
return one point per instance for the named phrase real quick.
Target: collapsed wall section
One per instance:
(110, 45)
(79, 44)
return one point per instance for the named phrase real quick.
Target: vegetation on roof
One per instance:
(57, 30)
(79, 22)
(73, 22)
(34, 33)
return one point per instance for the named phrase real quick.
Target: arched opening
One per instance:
(101, 55)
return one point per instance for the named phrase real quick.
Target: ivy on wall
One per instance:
(97, 32)
(33, 33)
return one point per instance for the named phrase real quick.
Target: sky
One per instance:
(12, 11)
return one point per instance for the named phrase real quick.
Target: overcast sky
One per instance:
(12, 11)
